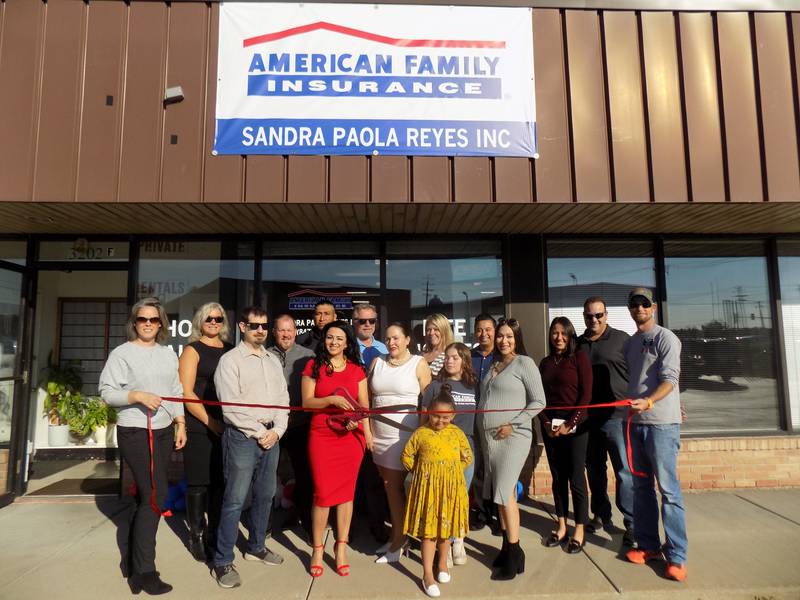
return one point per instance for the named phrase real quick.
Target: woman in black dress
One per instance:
(202, 456)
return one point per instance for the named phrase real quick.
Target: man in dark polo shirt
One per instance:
(605, 347)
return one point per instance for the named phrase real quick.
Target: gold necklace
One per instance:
(339, 367)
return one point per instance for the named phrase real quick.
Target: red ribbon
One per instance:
(153, 504)
(361, 412)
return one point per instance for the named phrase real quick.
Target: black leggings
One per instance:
(134, 449)
(567, 458)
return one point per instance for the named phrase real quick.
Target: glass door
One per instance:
(12, 376)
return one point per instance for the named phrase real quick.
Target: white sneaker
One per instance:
(458, 552)
(432, 591)
(443, 577)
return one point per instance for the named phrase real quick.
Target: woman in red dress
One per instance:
(335, 454)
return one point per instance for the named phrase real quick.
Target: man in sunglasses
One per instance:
(365, 322)
(324, 313)
(605, 347)
(653, 355)
(249, 374)
(365, 319)
(294, 442)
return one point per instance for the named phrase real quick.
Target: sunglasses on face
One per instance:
(215, 319)
(366, 321)
(638, 303)
(590, 316)
(256, 326)
(150, 320)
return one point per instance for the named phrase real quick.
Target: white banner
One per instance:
(375, 79)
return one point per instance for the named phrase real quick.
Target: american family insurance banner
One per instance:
(375, 79)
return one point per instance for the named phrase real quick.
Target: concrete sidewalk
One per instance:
(743, 544)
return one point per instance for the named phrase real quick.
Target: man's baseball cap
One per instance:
(641, 291)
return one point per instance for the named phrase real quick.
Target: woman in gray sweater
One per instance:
(514, 383)
(135, 378)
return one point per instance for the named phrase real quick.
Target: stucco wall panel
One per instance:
(472, 179)
(348, 179)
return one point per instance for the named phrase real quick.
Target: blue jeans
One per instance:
(655, 452)
(613, 431)
(244, 463)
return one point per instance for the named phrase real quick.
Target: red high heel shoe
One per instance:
(341, 570)
(316, 570)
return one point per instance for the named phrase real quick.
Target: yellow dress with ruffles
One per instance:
(438, 505)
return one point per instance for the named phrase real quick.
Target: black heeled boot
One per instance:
(195, 515)
(501, 556)
(150, 583)
(513, 565)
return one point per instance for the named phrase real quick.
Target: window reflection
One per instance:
(459, 288)
(186, 275)
(10, 287)
(581, 269)
(718, 305)
(789, 269)
(296, 285)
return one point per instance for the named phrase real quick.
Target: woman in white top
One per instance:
(395, 382)
(438, 336)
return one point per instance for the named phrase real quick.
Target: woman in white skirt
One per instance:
(395, 382)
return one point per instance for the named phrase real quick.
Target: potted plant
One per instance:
(105, 419)
(61, 387)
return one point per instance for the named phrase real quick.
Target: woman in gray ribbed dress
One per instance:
(513, 382)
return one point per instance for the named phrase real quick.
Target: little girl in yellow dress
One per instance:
(438, 506)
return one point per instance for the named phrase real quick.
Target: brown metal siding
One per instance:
(664, 107)
(777, 107)
(141, 163)
(625, 103)
(587, 103)
(20, 70)
(739, 101)
(101, 109)
(702, 107)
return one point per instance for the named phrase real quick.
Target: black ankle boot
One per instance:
(195, 515)
(501, 556)
(513, 565)
(149, 582)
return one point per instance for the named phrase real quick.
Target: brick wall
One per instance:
(3, 470)
(716, 463)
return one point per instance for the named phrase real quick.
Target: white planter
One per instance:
(106, 436)
(57, 435)
(100, 435)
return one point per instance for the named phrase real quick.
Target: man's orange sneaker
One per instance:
(639, 556)
(676, 572)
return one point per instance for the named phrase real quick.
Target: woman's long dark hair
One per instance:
(513, 325)
(569, 330)
(352, 352)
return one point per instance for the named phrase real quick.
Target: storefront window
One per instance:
(298, 275)
(460, 279)
(789, 269)
(83, 250)
(580, 269)
(718, 305)
(186, 275)
(14, 251)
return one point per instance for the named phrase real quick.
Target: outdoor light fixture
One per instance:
(173, 95)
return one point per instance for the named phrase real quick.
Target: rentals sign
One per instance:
(375, 79)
